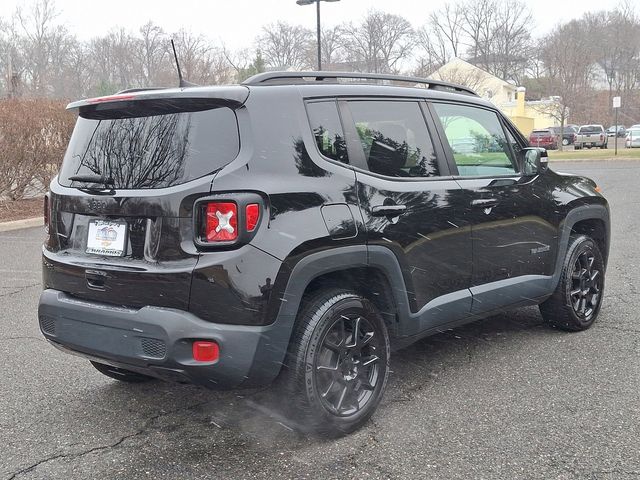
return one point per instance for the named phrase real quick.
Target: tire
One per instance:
(603, 146)
(577, 147)
(335, 383)
(120, 373)
(576, 302)
(565, 141)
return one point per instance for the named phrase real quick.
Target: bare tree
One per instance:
(200, 61)
(331, 46)
(152, 55)
(380, 42)
(285, 45)
(41, 35)
(569, 71)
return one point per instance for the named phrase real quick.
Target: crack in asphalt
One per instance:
(146, 427)
(20, 289)
(620, 329)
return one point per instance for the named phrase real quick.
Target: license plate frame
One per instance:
(107, 238)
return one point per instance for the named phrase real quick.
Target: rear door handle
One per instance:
(484, 202)
(388, 210)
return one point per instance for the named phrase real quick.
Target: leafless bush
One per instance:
(33, 137)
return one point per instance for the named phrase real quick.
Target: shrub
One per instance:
(33, 137)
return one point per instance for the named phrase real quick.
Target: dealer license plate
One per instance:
(106, 238)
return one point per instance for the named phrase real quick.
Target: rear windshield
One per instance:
(152, 151)
(590, 129)
(541, 132)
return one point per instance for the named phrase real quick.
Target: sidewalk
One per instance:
(18, 224)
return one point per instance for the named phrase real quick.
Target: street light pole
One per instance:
(318, 35)
(319, 31)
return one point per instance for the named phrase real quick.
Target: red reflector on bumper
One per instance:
(205, 351)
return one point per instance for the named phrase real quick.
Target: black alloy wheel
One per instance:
(337, 364)
(585, 288)
(347, 365)
(577, 299)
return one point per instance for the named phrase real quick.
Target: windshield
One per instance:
(152, 151)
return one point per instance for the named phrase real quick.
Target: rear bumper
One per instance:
(158, 341)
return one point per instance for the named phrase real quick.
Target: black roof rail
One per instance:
(293, 78)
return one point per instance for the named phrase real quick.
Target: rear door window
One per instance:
(477, 140)
(154, 151)
(394, 138)
(327, 130)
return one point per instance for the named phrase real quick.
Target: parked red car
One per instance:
(543, 138)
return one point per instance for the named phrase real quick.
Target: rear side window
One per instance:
(395, 138)
(477, 140)
(152, 151)
(327, 130)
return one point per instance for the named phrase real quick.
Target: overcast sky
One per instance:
(236, 22)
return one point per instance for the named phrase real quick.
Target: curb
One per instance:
(19, 224)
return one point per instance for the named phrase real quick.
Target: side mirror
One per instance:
(536, 161)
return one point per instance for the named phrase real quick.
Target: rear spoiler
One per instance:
(134, 103)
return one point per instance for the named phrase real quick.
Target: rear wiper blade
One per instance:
(97, 179)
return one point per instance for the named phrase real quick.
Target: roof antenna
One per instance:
(182, 82)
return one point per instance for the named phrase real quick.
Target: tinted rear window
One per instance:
(152, 151)
(590, 129)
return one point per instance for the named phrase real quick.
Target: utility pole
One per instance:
(616, 106)
(318, 30)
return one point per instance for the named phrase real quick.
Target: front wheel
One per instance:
(338, 362)
(575, 304)
(565, 141)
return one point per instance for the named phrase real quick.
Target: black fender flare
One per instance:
(575, 215)
(274, 343)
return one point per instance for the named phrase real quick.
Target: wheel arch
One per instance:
(374, 272)
(592, 219)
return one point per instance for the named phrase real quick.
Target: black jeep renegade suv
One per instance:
(300, 225)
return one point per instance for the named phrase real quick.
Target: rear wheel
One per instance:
(120, 373)
(565, 141)
(575, 304)
(338, 362)
(603, 146)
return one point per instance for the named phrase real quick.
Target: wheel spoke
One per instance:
(343, 394)
(367, 385)
(370, 360)
(355, 333)
(365, 340)
(326, 368)
(575, 292)
(594, 275)
(334, 347)
(331, 385)
(343, 332)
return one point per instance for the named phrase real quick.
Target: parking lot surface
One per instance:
(507, 397)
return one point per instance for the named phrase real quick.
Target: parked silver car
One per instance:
(632, 140)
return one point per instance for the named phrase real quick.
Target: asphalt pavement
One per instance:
(504, 398)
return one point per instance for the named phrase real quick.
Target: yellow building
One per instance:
(530, 115)
(527, 115)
